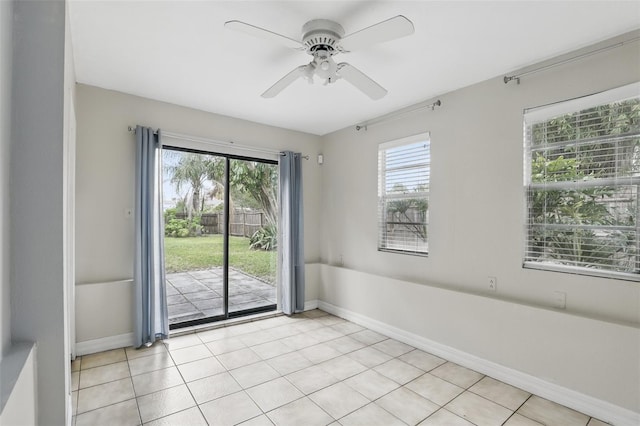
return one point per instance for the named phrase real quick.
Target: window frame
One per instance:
(544, 113)
(382, 197)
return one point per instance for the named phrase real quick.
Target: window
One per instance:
(403, 194)
(582, 185)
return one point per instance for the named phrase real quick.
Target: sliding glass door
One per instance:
(220, 235)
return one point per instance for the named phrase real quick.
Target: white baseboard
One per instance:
(578, 401)
(310, 304)
(106, 343)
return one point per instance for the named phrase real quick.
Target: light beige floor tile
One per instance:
(262, 420)
(342, 367)
(103, 358)
(213, 387)
(122, 414)
(338, 400)
(283, 331)
(314, 313)
(399, 371)
(325, 334)
(319, 353)
(422, 360)
(308, 325)
(300, 341)
(501, 393)
(202, 368)
(289, 363)
(183, 341)
(596, 422)
(371, 384)
(103, 395)
(345, 344)
(75, 364)
(478, 410)
(371, 415)
(518, 420)
(369, 357)
(189, 417)
(254, 374)
(393, 347)
(215, 334)
(164, 402)
(457, 374)
(222, 346)
(245, 328)
(407, 405)
(257, 337)
(74, 403)
(547, 412)
(300, 412)
(271, 349)
(329, 320)
(75, 380)
(443, 417)
(150, 363)
(347, 328)
(104, 374)
(189, 354)
(434, 389)
(230, 410)
(368, 337)
(239, 358)
(157, 380)
(274, 394)
(311, 379)
(156, 348)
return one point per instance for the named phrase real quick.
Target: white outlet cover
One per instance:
(492, 283)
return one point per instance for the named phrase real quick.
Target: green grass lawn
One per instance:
(197, 253)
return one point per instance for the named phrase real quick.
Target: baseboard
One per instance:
(106, 343)
(578, 401)
(310, 304)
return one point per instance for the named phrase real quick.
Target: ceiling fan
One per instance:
(322, 39)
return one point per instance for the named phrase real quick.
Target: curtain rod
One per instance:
(407, 110)
(516, 77)
(216, 142)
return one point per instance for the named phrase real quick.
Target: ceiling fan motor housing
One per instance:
(322, 35)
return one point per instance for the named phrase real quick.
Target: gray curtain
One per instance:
(291, 226)
(151, 316)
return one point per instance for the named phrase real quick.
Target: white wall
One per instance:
(6, 52)
(37, 198)
(476, 201)
(105, 184)
(476, 230)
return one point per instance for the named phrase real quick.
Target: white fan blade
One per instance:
(392, 28)
(285, 82)
(264, 34)
(361, 81)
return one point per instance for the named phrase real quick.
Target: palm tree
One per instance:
(192, 170)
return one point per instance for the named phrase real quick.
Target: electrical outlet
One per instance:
(559, 299)
(340, 261)
(492, 283)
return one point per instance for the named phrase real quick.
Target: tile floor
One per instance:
(309, 369)
(198, 294)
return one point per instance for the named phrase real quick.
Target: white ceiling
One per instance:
(180, 52)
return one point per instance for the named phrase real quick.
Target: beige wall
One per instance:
(105, 182)
(476, 201)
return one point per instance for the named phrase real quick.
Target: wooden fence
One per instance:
(242, 224)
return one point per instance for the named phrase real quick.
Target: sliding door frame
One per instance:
(225, 240)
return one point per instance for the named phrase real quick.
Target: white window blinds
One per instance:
(582, 185)
(403, 194)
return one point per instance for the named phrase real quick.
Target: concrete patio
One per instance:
(198, 294)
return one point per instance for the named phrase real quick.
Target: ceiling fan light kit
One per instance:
(322, 39)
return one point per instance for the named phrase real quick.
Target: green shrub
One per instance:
(180, 228)
(265, 238)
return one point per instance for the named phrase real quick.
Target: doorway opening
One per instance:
(221, 234)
